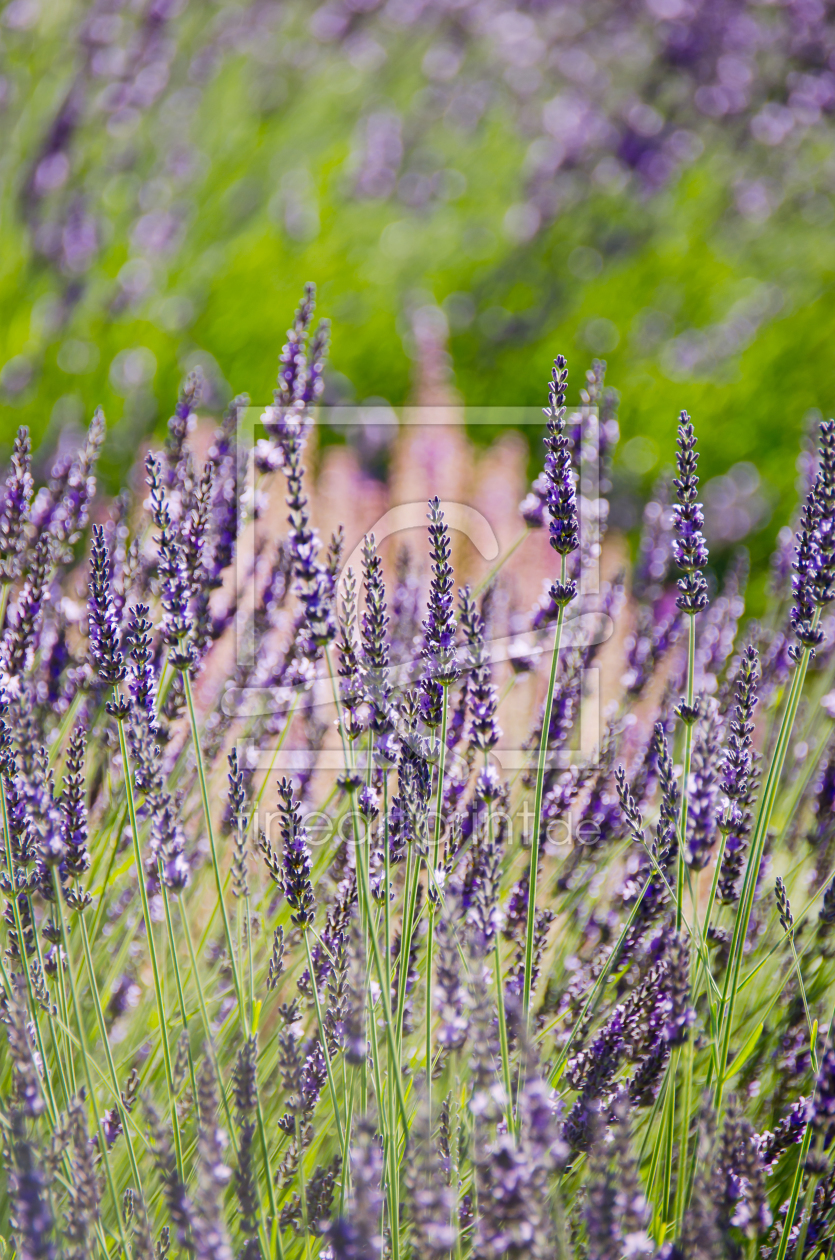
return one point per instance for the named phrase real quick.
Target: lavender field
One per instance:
(417, 772)
(407, 999)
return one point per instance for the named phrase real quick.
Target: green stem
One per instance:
(670, 1133)
(497, 967)
(764, 813)
(323, 1038)
(537, 808)
(82, 1036)
(795, 1194)
(146, 912)
(180, 995)
(386, 997)
(430, 938)
(685, 778)
(123, 1113)
(94, 931)
(599, 982)
(21, 941)
(409, 902)
(346, 1141)
(204, 791)
(389, 1139)
(684, 1134)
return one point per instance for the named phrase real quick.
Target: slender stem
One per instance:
(123, 1113)
(21, 942)
(82, 1036)
(684, 1134)
(502, 561)
(430, 938)
(763, 821)
(346, 1141)
(685, 778)
(386, 996)
(53, 1030)
(802, 988)
(172, 945)
(149, 932)
(323, 1038)
(788, 1223)
(233, 962)
(94, 931)
(537, 808)
(500, 1007)
(670, 1133)
(497, 967)
(600, 981)
(406, 929)
(204, 791)
(65, 1019)
(389, 1140)
(302, 1188)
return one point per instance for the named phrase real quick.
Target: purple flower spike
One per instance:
(16, 506)
(439, 652)
(484, 731)
(562, 499)
(298, 888)
(105, 653)
(813, 582)
(689, 547)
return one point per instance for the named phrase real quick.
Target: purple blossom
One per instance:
(72, 493)
(562, 500)
(739, 779)
(314, 580)
(175, 589)
(439, 652)
(297, 886)
(181, 422)
(17, 502)
(74, 808)
(704, 787)
(689, 547)
(142, 682)
(168, 845)
(813, 583)
(105, 652)
(24, 621)
(375, 641)
(483, 731)
(357, 1236)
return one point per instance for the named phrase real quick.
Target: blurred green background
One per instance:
(650, 183)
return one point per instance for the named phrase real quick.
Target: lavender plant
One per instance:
(410, 1020)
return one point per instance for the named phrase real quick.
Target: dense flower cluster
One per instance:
(394, 1024)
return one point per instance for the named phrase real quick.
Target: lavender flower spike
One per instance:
(559, 475)
(689, 546)
(142, 681)
(105, 652)
(298, 888)
(439, 626)
(374, 637)
(739, 778)
(74, 808)
(701, 818)
(16, 505)
(17, 649)
(813, 581)
(484, 731)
